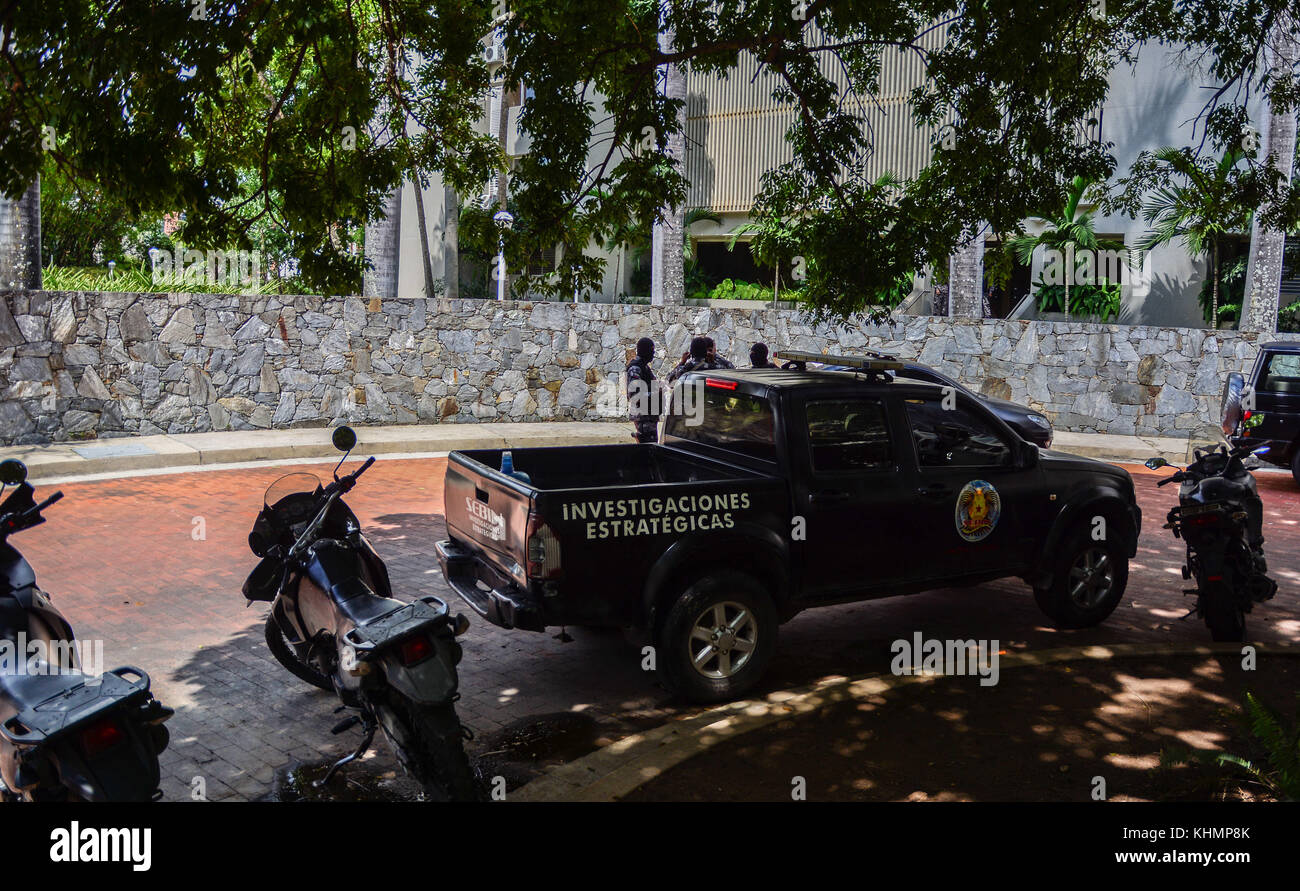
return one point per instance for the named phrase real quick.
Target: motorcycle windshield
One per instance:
(279, 493)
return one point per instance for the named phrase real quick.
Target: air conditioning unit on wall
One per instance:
(494, 53)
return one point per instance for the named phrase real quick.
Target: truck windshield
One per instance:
(726, 419)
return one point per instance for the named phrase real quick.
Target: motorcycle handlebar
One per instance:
(57, 496)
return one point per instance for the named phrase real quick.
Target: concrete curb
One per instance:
(612, 772)
(192, 450)
(178, 452)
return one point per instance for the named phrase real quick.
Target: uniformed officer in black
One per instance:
(718, 361)
(696, 360)
(758, 356)
(642, 400)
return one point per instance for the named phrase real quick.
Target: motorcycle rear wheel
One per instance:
(429, 743)
(1225, 619)
(286, 654)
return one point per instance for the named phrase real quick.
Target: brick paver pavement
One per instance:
(124, 561)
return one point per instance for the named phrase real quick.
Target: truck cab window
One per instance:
(848, 435)
(954, 437)
(1282, 374)
(733, 421)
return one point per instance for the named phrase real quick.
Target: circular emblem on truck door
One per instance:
(978, 509)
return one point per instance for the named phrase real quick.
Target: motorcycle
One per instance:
(335, 624)
(1220, 517)
(64, 735)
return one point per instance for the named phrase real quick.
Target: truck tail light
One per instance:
(543, 550)
(719, 384)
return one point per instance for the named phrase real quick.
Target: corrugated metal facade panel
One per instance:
(735, 130)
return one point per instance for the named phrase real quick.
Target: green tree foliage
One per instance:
(173, 111)
(1070, 231)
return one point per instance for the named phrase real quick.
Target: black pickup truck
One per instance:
(790, 489)
(1263, 409)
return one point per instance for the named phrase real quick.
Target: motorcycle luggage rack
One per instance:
(51, 718)
(401, 622)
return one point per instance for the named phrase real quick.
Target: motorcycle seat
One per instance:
(359, 603)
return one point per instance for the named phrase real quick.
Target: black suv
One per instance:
(1264, 409)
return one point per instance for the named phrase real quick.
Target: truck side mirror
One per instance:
(1029, 455)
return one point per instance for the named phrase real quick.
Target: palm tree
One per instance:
(1264, 280)
(1200, 212)
(20, 239)
(668, 275)
(1070, 231)
(451, 242)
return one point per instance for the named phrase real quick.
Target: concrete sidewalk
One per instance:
(128, 455)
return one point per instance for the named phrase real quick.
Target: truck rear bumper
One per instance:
(488, 593)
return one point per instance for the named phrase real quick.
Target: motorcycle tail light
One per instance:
(101, 736)
(1203, 520)
(415, 649)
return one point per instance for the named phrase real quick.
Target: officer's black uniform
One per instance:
(641, 395)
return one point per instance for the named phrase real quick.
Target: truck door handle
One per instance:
(830, 496)
(934, 489)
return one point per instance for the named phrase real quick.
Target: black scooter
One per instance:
(1221, 517)
(335, 625)
(64, 735)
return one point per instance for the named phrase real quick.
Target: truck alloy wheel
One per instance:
(717, 637)
(723, 639)
(1087, 584)
(1091, 578)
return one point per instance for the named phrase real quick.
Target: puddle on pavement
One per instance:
(354, 782)
(518, 753)
(524, 750)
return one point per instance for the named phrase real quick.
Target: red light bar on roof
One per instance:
(720, 384)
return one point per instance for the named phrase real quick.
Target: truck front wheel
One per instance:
(1087, 584)
(717, 639)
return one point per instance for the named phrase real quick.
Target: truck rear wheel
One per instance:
(1087, 584)
(717, 639)
(1295, 465)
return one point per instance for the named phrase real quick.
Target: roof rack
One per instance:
(875, 364)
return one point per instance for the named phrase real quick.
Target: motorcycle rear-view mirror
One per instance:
(1262, 450)
(345, 439)
(12, 472)
(1156, 463)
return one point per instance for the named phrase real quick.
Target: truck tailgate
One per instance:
(487, 511)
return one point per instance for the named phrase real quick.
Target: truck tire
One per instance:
(1295, 465)
(1231, 413)
(717, 638)
(1087, 582)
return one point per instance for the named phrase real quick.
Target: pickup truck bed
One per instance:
(611, 506)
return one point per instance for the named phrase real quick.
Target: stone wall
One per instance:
(85, 365)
